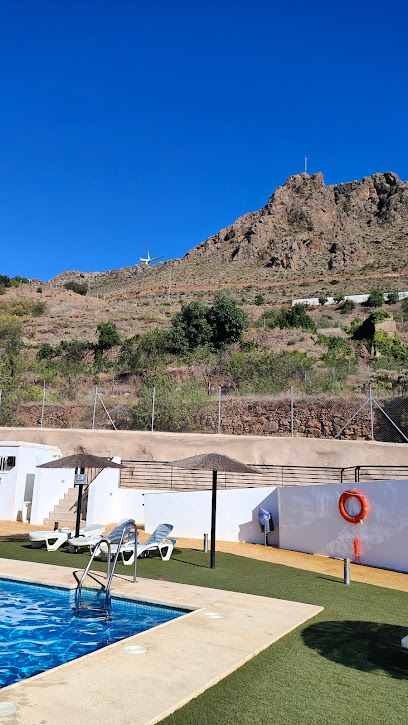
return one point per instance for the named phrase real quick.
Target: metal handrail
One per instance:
(131, 524)
(78, 592)
(109, 571)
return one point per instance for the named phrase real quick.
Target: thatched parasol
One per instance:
(214, 462)
(80, 461)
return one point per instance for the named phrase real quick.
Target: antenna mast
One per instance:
(305, 164)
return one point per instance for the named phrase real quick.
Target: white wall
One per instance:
(310, 521)
(7, 485)
(358, 299)
(50, 485)
(107, 503)
(17, 483)
(190, 513)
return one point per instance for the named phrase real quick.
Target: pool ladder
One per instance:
(126, 528)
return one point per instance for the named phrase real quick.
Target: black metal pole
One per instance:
(79, 503)
(213, 518)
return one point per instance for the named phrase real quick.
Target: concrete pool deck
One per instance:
(184, 656)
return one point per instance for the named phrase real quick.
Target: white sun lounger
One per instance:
(79, 542)
(158, 540)
(54, 539)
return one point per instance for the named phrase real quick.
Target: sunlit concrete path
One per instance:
(295, 559)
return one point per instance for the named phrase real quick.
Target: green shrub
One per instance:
(32, 392)
(326, 321)
(259, 299)
(322, 300)
(375, 298)
(46, 352)
(177, 408)
(366, 330)
(295, 316)
(81, 288)
(348, 306)
(338, 298)
(390, 346)
(392, 298)
(264, 371)
(23, 307)
(268, 319)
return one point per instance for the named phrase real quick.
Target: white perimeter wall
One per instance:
(50, 485)
(310, 521)
(358, 299)
(107, 503)
(190, 513)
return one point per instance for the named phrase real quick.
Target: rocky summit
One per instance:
(305, 231)
(306, 224)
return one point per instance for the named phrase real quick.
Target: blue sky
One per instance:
(171, 119)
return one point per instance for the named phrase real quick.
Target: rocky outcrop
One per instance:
(306, 228)
(306, 224)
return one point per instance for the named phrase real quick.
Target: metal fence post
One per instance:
(153, 401)
(94, 407)
(219, 409)
(291, 411)
(371, 414)
(42, 408)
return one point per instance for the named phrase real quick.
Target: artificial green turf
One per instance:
(343, 666)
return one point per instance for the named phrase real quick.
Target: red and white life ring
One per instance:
(363, 503)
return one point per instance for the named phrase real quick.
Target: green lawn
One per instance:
(343, 666)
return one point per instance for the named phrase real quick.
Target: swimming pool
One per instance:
(40, 629)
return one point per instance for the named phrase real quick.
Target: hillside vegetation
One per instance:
(252, 351)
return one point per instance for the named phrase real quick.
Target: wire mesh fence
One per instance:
(292, 414)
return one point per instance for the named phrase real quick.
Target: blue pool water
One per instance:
(40, 629)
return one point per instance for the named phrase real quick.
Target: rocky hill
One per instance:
(305, 221)
(305, 229)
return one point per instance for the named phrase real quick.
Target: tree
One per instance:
(108, 337)
(227, 321)
(375, 298)
(322, 300)
(259, 300)
(338, 298)
(190, 328)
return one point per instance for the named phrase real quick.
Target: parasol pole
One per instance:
(213, 518)
(79, 470)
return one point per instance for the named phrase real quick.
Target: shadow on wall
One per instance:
(252, 531)
(364, 646)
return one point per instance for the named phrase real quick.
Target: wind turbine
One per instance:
(147, 260)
